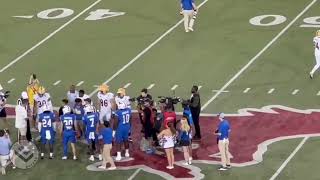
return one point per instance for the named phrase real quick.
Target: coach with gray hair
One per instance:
(195, 107)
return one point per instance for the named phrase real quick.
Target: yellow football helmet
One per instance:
(104, 88)
(318, 33)
(121, 91)
(41, 90)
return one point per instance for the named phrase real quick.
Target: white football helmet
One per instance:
(66, 109)
(88, 109)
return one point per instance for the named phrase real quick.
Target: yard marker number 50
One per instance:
(272, 20)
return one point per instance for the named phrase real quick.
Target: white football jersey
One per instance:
(42, 101)
(124, 100)
(83, 98)
(316, 42)
(105, 100)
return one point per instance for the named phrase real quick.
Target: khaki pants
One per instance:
(224, 151)
(107, 156)
(188, 19)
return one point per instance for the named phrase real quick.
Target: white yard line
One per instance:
(127, 85)
(150, 86)
(57, 82)
(80, 83)
(246, 90)
(174, 87)
(11, 80)
(134, 174)
(137, 57)
(295, 92)
(284, 164)
(258, 55)
(215, 90)
(271, 91)
(48, 37)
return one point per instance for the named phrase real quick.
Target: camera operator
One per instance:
(144, 97)
(3, 114)
(195, 107)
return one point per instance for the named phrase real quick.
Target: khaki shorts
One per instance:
(23, 131)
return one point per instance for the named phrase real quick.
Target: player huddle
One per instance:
(85, 119)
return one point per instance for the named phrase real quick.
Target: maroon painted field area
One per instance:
(247, 133)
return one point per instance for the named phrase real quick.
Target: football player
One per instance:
(78, 110)
(316, 42)
(47, 129)
(106, 103)
(41, 99)
(69, 131)
(122, 126)
(121, 98)
(91, 121)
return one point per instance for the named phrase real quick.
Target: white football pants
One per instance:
(317, 56)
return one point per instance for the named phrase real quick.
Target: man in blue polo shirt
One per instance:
(189, 10)
(223, 143)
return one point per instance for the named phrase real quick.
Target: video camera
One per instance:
(141, 100)
(169, 101)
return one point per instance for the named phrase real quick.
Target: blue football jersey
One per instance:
(46, 119)
(91, 121)
(68, 121)
(124, 116)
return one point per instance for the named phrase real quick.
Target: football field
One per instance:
(246, 55)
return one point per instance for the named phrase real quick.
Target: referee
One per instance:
(195, 108)
(188, 9)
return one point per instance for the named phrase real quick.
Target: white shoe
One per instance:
(102, 167)
(91, 158)
(75, 158)
(118, 158)
(186, 163)
(64, 157)
(191, 29)
(187, 30)
(127, 155)
(100, 157)
(112, 168)
(170, 167)
(311, 75)
(189, 162)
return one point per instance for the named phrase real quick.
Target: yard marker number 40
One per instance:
(272, 20)
(58, 13)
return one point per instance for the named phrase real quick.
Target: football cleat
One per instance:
(118, 158)
(91, 158)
